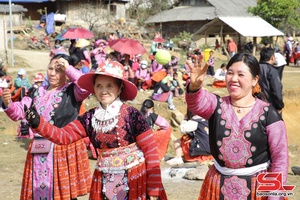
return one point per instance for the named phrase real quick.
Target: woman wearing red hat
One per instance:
(128, 164)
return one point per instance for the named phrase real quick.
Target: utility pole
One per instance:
(11, 35)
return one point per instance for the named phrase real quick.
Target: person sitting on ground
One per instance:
(98, 54)
(194, 144)
(162, 91)
(219, 76)
(175, 86)
(159, 125)
(82, 48)
(174, 62)
(22, 85)
(57, 49)
(157, 71)
(142, 77)
(127, 63)
(3, 84)
(3, 68)
(186, 74)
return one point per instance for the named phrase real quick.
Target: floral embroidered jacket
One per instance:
(260, 136)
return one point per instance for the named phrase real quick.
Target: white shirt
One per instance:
(220, 74)
(279, 60)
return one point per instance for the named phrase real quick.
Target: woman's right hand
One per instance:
(197, 74)
(6, 97)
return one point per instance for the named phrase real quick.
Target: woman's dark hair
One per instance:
(148, 103)
(62, 55)
(223, 65)
(248, 60)
(251, 62)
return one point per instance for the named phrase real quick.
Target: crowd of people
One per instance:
(243, 133)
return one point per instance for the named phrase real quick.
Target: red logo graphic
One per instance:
(272, 181)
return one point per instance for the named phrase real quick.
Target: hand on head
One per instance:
(61, 63)
(198, 73)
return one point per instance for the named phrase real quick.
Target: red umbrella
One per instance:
(74, 33)
(159, 40)
(127, 46)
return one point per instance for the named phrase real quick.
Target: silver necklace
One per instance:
(239, 108)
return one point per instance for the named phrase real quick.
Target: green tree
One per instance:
(143, 9)
(282, 14)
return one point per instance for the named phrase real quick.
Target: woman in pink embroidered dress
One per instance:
(66, 167)
(128, 164)
(247, 135)
(142, 77)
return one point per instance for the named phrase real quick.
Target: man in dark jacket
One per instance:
(269, 79)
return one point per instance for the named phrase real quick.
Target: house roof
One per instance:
(232, 7)
(185, 13)
(253, 26)
(25, 1)
(209, 11)
(4, 8)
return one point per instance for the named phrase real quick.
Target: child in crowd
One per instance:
(175, 86)
(211, 63)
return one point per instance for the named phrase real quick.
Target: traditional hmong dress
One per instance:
(161, 134)
(241, 148)
(62, 173)
(128, 165)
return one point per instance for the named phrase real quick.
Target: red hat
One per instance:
(113, 69)
(39, 78)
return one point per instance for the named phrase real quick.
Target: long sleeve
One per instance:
(15, 110)
(155, 67)
(74, 74)
(70, 133)
(278, 145)
(201, 103)
(154, 182)
(276, 90)
(137, 74)
(162, 122)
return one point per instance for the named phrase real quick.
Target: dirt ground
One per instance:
(13, 150)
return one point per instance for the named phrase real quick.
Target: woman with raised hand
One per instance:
(54, 171)
(247, 135)
(128, 165)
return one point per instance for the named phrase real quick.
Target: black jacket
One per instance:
(271, 85)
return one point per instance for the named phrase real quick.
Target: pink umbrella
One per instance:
(159, 40)
(75, 33)
(127, 46)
